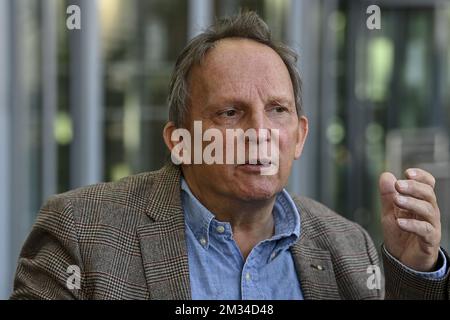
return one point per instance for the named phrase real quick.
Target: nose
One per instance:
(257, 121)
(256, 118)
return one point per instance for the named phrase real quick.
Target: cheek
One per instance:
(287, 143)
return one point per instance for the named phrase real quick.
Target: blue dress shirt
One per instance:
(217, 268)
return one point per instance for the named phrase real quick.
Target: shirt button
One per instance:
(273, 255)
(220, 229)
(203, 241)
(247, 276)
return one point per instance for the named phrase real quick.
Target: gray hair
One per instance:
(246, 25)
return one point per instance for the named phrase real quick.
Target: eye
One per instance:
(279, 109)
(228, 113)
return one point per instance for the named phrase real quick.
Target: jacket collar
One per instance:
(164, 196)
(162, 239)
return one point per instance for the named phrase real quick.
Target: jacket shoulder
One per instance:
(316, 214)
(105, 204)
(130, 191)
(350, 247)
(331, 231)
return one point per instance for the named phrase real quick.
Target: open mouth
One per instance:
(258, 163)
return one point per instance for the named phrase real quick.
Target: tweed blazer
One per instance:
(128, 240)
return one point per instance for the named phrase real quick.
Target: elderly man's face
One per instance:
(244, 84)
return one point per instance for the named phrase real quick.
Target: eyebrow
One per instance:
(284, 101)
(281, 100)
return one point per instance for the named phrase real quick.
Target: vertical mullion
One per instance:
(303, 37)
(5, 164)
(328, 108)
(86, 154)
(200, 16)
(438, 62)
(20, 151)
(49, 97)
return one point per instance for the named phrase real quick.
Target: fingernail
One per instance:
(403, 184)
(402, 199)
(401, 222)
(412, 172)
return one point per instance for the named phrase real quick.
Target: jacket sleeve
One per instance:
(50, 265)
(401, 283)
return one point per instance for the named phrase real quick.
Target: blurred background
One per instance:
(82, 106)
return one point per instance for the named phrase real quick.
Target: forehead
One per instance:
(238, 66)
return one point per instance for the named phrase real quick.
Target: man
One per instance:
(226, 231)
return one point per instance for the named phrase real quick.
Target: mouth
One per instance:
(255, 166)
(258, 162)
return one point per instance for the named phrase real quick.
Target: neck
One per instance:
(251, 220)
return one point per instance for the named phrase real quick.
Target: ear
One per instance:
(167, 135)
(301, 136)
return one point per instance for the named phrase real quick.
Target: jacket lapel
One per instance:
(315, 271)
(313, 264)
(162, 239)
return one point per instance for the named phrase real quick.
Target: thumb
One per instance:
(387, 189)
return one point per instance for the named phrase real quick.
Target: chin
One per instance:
(258, 191)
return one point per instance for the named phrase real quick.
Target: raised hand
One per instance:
(411, 219)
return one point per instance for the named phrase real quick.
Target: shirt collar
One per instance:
(286, 218)
(198, 217)
(287, 222)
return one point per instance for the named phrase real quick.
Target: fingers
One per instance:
(386, 183)
(421, 176)
(414, 209)
(421, 208)
(387, 192)
(423, 229)
(414, 196)
(417, 190)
